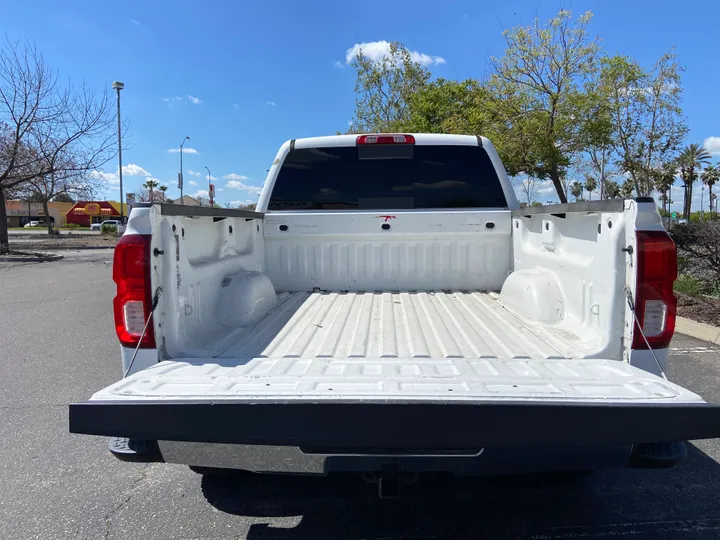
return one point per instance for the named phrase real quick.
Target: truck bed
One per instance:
(380, 345)
(403, 325)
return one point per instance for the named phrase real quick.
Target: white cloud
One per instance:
(171, 101)
(201, 193)
(134, 170)
(193, 183)
(338, 64)
(235, 184)
(193, 173)
(234, 176)
(186, 150)
(271, 103)
(110, 178)
(712, 145)
(194, 100)
(377, 50)
(135, 22)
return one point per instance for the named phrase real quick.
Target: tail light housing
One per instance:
(395, 138)
(655, 302)
(133, 302)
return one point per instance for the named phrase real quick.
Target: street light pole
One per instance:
(117, 85)
(209, 187)
(180, 180)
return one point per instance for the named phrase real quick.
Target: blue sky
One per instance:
(240, 78)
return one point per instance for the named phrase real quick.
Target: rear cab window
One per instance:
(375, 177)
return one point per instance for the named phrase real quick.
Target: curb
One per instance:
(76, 248)
(706, 332)
(21, 258)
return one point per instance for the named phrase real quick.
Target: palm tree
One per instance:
(691, 159)
(626, 190)
(150, 185)
(590, 186)
(163, 189)
(664, 178)
(576, 188)
(612, 189)
(710, 176)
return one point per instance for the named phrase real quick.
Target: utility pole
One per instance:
(210, 187)
(180, 176)
(117, 85)
(602, 173)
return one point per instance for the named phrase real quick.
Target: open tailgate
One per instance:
(394, 403)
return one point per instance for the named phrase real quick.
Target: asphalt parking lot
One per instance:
(57, 346)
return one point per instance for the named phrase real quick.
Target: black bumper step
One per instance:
(390, 425)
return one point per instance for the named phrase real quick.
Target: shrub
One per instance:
(689, 285)
(698, 253)
(108, 229)
(71, 226)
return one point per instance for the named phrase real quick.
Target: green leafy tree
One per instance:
(692, 159)
(576, 188)
(449, 107)
(384, 88)
(538, 86)
(710, 177)
(648, 125)
(590, 186)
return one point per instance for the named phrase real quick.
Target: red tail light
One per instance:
(385, 139)
(132, 304)
(655, 303)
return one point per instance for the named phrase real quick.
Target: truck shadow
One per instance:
(672, 503)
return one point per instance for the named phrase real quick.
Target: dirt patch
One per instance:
(703, 309)
(63, 242)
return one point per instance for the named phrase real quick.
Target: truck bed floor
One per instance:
(395, 325)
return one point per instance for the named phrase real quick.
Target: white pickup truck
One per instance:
(390, 308)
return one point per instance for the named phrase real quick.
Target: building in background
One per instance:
(187, 200)
(84, 213)
(21, 212)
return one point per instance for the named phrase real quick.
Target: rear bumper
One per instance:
(324, 427)
(486, 461)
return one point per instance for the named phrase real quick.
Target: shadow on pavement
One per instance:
(671, 503)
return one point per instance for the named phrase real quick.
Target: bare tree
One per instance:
(52, 137)
(527, 186)
(27, 87)
(151, 191)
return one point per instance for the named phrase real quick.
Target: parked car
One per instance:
(390, 309)
(31, 224)
(98, 226)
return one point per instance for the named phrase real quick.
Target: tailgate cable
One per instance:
(155, 301)
(630, 302)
